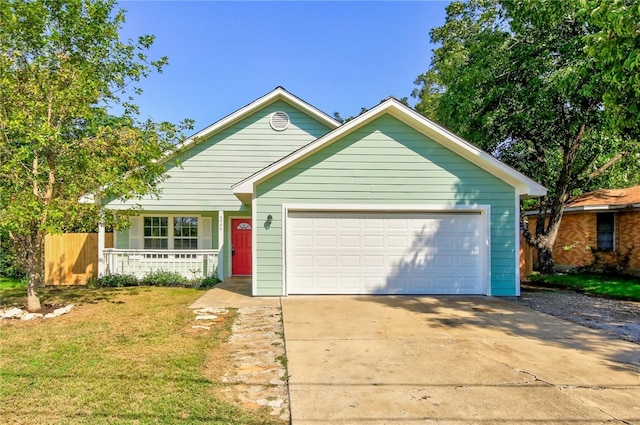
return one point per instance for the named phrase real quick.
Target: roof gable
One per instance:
(279, 93)
(525, 187)
(200, 174)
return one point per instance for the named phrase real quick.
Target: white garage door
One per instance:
(383, 253)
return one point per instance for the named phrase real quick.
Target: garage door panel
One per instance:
(326, 261)
(299, 261)
(377, 253)
(397, 241)
(350, 261)
(327, 224)
(326, 241)
(349, 241)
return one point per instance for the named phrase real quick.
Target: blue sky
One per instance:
(338, 56)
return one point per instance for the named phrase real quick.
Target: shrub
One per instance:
(164, 278)
(207, 282)
(9, 261)
(114, 281)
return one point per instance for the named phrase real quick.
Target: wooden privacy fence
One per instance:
(72, 258)
(526, 259)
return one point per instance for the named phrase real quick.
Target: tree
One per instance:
(62, 70)
(614, 43)
(514, 78)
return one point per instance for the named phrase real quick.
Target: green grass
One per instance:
(122, 356)
(12, 283)
(619, 287)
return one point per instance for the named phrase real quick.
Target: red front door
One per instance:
(241, 246)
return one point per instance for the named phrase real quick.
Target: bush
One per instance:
(115, 281)
(9, 262)
(207, 282)
(164, 278)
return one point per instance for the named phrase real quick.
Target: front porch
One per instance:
(190, 263)
(186, 243)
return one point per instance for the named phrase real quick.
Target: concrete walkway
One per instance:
(234, 292)
(451, 360)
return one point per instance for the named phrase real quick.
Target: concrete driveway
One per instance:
(451, 360)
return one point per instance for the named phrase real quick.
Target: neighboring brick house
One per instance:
(601, 227)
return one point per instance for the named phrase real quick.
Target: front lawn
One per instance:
(122, 356)
(12, 283)
(619, 287)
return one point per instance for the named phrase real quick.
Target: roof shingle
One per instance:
(612, 197)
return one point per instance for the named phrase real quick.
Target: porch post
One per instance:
(220, 245)
(101, 265)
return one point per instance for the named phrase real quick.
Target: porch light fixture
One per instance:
(269, 218)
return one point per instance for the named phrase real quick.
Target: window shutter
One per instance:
(204, 233)
(135, 233)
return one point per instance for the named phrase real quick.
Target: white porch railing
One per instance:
(190, 263)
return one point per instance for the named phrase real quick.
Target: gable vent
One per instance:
(279, 121)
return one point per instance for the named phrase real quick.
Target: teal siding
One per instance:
(206, 171)
(386, 162)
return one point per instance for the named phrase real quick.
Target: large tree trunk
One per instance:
(545, 258)
(35, 266)
(545, 241)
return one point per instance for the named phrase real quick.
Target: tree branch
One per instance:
(608, 164)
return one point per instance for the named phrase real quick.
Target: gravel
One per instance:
(620, 318)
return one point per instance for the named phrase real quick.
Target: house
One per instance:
(599, 228)
(387, 203)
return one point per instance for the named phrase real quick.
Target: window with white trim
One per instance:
(157, 234)
(185, 232)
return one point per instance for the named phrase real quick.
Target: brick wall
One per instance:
(628, 236)
(577, 235)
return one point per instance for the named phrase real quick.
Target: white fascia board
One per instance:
(440, 208)
(278, 93)
(589, 208)
(525, 187)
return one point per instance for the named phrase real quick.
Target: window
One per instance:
(156, 232)
(185, 232)
(243, 226)
(605, 227)
(184, 235)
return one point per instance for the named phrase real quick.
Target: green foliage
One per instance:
(164, 278)
(515, 77)
(208, 282)
(9, 264)
(114, 281)
(12, 283)
(63, 69)
(611, 286)
(613, 263)
(614, 45)
(155, 278)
